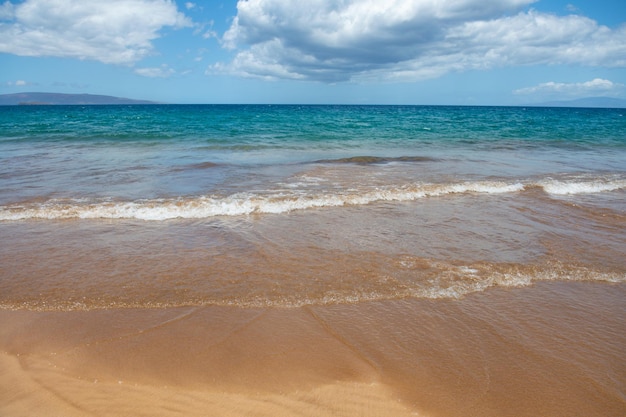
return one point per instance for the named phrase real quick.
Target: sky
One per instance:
(458, 52)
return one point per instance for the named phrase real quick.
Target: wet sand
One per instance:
(551, 349)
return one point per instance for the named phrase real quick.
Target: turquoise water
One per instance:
(130, 153)
(170, 205)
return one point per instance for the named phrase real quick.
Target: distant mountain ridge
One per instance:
(37, 98)
(67, 99)
(599, 102)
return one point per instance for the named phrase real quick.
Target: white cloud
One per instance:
(112, 31)
(597, 86)
(155, 72)
(18, 83)
(356, 40)
(7, 11)
(210, 34)
(76, 86)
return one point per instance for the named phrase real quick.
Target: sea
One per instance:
(153, 206)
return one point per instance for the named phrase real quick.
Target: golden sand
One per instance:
(554, 349)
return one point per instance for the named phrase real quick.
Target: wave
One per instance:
(449, 281)
(280, 201)
(197, 166)
(367, 160)
(558, 187)
(236, 204)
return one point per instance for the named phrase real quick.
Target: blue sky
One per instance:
(502, 52)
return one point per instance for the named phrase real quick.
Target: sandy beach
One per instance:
(553, 349)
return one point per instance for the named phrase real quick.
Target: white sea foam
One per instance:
(582, 186)
(281, 201)
(239, 204)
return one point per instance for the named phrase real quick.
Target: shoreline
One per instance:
(554, 349)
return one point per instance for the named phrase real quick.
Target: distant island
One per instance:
(24, 99)
(64, 99)
(597, 102)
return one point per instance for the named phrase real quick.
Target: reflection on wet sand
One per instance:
(554, 349)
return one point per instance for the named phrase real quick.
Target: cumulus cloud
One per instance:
(330, 41)
(597, 86)
(112, 31)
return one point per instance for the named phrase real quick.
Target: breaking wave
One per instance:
(558, 187)
(281, 201)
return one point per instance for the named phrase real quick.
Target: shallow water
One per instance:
(439, 248)
(117, 206)
(553, 349)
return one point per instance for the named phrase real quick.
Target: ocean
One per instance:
(325, 209)
(294, 205)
